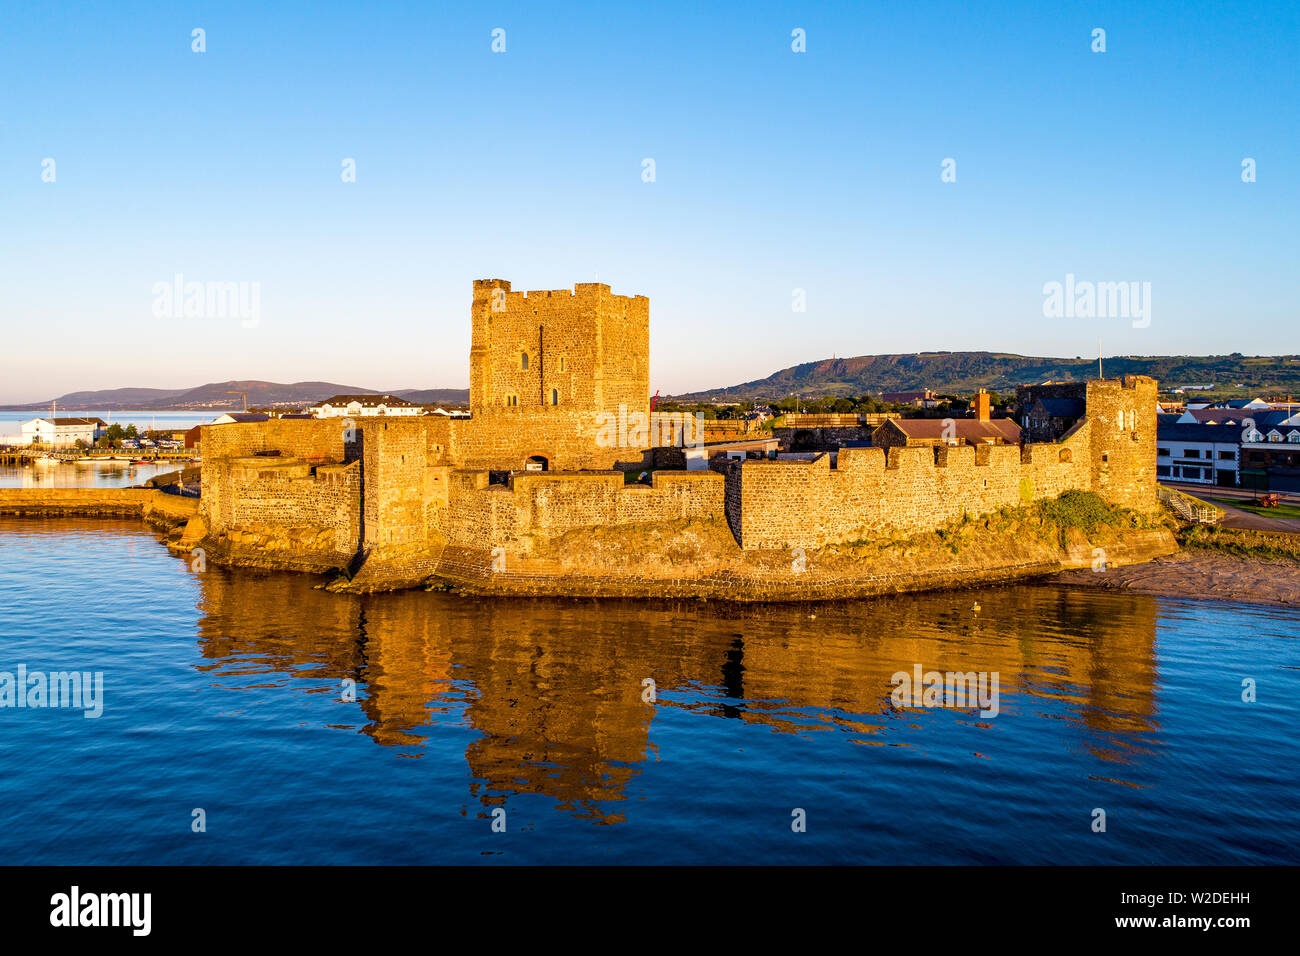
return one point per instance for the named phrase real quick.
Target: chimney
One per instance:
(982, 406)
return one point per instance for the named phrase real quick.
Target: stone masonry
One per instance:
(394, 497)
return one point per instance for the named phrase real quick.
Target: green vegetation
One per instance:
(1241, 543)
(1204, 503)
(1086, 511)
(710, 412)
(961, 373)
(113, 435)
(1254, 507)
(1073, 517)
(843, 405)
(864, 404)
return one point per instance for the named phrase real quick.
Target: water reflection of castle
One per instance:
(554, 688)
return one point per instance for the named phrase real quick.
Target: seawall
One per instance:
(691, 556)
(159, 509)
(825, 574)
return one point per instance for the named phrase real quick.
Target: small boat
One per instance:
(47, 460)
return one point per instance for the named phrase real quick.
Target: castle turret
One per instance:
(489, 296)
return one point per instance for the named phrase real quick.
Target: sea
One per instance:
(251, 717)
(11, 422)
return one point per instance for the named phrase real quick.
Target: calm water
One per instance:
(11, 422)
(223, 691)
(116, 474)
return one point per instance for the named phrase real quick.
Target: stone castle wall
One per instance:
(397, 484)
(406, 479)
(292, 485)
(310, 439)
(877, 491)
(544, 506)
(567, 439)
(316, 508)
(549, 372)
(896, 491)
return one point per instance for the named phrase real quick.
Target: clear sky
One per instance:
(774, 171)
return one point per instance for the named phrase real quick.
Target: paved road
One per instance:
(1214, 491)
(1248, 520)
(1239, 517)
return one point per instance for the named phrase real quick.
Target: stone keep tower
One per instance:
(546, 366)
(1122, 421)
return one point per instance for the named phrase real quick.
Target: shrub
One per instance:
(1084, 510)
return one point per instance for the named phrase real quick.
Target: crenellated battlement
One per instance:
(545, 364)
(550, 370)
(484, 289)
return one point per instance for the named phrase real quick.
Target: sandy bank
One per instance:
(1201, 575)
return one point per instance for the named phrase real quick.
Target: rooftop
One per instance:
(72, 421)
(370, 401)
(963, 428)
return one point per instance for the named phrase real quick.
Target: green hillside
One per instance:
(958, 373)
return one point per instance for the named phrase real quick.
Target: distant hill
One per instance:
(953, 372)
(111, 398)
(215, 396)
(434, 396)
(963, 372)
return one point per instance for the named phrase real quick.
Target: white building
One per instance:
(62, 431)
(365, 406)
(1204, 454)
(697, 456)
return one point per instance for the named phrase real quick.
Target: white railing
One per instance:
(1188, 507)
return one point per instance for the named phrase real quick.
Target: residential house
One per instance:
(1270, 453)
(1047, 419)
(365, 406)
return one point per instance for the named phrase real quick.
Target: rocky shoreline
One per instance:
(1201, 575)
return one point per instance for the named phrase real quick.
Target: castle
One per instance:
(399, 502)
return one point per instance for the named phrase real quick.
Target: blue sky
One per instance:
(775, 171)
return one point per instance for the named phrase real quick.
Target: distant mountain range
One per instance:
(216, 396)
(952, 372)
(964, 372)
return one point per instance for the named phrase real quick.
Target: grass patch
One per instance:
(1242, 543)
(1086, 511)
(1053, 520)
(1281, 511)
(1203, 502)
